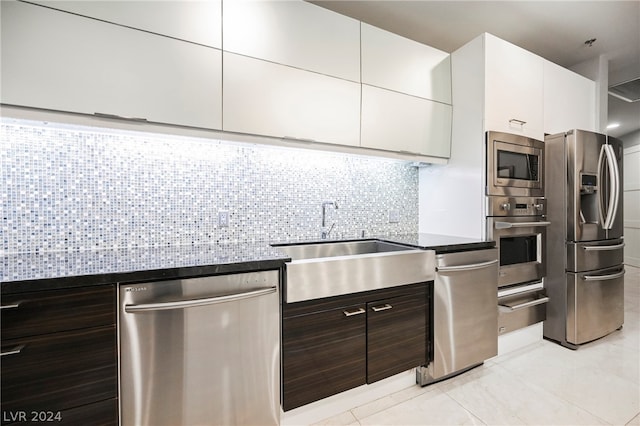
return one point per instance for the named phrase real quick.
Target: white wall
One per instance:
(631, 181)
(597, 69)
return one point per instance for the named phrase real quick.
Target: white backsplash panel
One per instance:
(72, 188)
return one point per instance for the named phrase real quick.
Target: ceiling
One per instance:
(555, 30)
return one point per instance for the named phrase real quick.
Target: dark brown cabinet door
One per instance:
(43, 312)
(323, 354)
(396, 335)
(58, 371)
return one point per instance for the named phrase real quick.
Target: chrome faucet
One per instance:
(325, 234)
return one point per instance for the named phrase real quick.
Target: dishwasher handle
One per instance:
(182, 304)
(469, 267)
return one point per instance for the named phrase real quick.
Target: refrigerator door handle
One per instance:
(600, 191)
(603, 277)
(607, 160)
(603, 248)
(614, 197)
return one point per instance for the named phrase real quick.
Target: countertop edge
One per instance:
(13, 287)
(445, 248)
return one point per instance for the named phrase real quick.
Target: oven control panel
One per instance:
(516, 206)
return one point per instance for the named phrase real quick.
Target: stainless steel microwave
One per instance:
(515, 165)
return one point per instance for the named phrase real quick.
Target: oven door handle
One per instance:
(529, 304)
(469, 267)
(507, 225)
(603, 248)
(603, 277)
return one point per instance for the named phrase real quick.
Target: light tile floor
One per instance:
(542, 384)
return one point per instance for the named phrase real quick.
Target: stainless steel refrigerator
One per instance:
(585, 247)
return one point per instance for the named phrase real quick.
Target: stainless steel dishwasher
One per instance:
(465, 313)
(201, 351)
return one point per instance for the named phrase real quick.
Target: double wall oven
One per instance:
(516, 220)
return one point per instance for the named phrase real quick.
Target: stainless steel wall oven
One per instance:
(519, 228)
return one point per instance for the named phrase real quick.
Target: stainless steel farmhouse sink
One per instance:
(333, 249)
(333, 268)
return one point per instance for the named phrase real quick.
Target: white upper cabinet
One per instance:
(61, 61)
(270, 99)
(294, 33)
(194, 21)
(513, 89)
(569, 100)
(395, 122)
(397, 63)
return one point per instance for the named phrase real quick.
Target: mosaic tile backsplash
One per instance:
(72, 188)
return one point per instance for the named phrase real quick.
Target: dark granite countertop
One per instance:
(440, 243)
(34, 272)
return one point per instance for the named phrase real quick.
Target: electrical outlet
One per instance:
(394, 216)
(223, 218)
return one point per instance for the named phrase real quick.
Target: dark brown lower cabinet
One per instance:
(323, 354)
(51, 311)
(58, 371)
(396, 333)
(335, 344)
(65, 377)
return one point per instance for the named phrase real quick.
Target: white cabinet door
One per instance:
(513, 89)
(396, 122)
(65, 62)
(195, 21)
(569, 100)
(397, 63)
(294, 33)
(269, 99)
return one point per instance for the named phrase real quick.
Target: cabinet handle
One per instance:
(516, 121)
(119, 117)
(384, 307)
(293, 138)
(352, 313)
(12, 306)
(13, 351)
